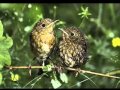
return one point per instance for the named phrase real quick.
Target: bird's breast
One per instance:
(44, 41)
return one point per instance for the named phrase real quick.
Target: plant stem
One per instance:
(82, 22)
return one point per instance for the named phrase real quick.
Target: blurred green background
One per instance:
(100, 28)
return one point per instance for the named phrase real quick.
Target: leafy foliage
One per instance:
(55, 83)
(5, 44)
(64, 77)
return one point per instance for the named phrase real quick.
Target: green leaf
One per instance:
(0, 78)
(85, 13)
(64, 77)
(47, 68)
(5, 43)
(82, 8)
(55, 83)
(5, 57)
(1, 29)
(78, 84)
(14, 77)
(61, 23)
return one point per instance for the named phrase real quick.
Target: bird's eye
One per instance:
(43, 25)
(72, 34)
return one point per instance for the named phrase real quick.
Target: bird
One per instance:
(42, 39)
(73, 47)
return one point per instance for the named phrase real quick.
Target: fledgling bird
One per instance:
(73, 47)
(42, 39)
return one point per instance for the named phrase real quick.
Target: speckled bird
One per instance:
(42, 39)
(73, 47)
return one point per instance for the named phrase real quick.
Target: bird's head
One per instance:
(45, 25)
(71, 33)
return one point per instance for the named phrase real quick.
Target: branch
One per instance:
(94, 73)
(67, 68)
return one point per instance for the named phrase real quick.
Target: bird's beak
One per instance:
(63, 31)
(53, 23)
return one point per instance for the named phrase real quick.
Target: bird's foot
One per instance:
(30, 71)
(43, 64)
(78, 72)
(59, 69)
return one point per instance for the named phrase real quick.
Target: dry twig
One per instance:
(67, 68)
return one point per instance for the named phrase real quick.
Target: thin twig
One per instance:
(90, 80)
(67, 68)
(82, 81)
(90, 72)
(31, 81)
(82, 22)
(24, 67)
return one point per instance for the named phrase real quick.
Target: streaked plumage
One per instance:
(73, 47)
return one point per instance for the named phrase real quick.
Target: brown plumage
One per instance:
(73, 47)
(42, 39)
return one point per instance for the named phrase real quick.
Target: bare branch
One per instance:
(67, 68)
